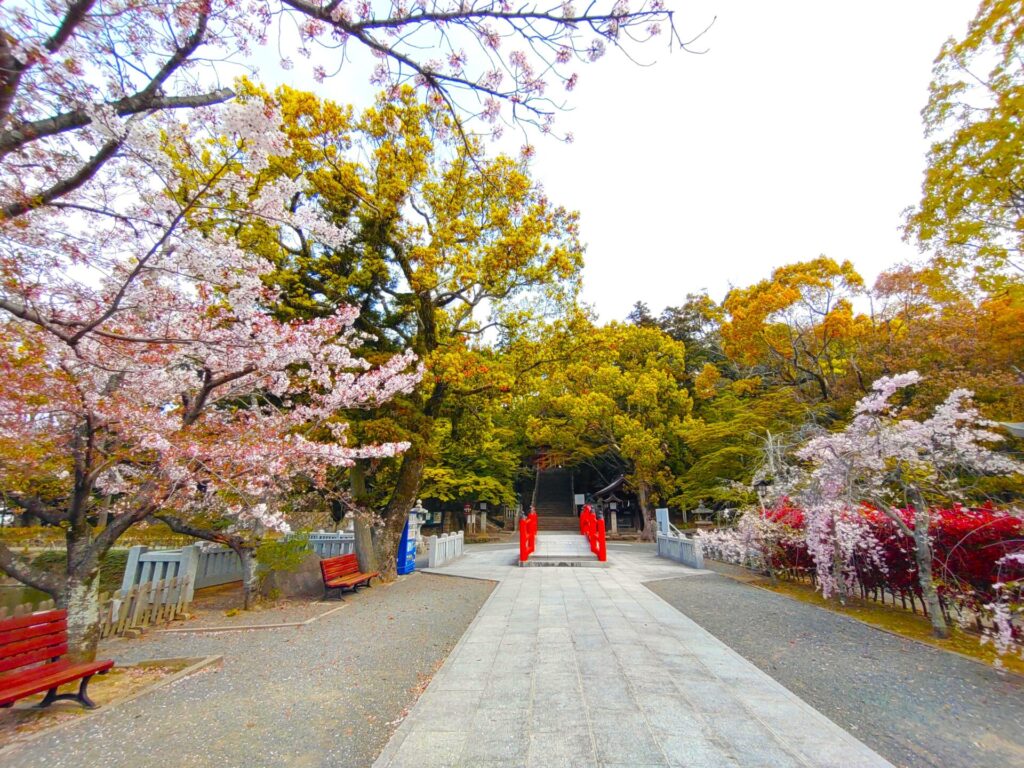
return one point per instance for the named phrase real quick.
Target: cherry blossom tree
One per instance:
(142, 371)
(140, 366)
(893, 464)
(63, 67)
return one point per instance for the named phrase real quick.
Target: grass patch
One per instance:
(119, 683)
(896, 620)
(111, 568)
(151, 534)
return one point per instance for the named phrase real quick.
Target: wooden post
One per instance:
(141, 602)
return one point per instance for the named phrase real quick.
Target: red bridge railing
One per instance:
(527, 535)
(592, 526)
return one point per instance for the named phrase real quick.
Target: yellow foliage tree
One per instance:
(453, 254)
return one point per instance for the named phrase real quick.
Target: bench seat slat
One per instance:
(354, 578)
(56, 647)
(46, 679)
(26, 633)
(41, 617)
(18, 676)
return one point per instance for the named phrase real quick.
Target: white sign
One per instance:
(662, 515)
(580, 499)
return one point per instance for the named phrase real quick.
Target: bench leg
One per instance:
(82, 697)
(327, 593)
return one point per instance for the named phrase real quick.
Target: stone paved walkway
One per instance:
(582, 667)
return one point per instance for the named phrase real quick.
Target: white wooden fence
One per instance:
(332, 544)
(206, 565)
(511, 516)
(216, 565)
(443, 549)
(681, 548)
(201, 566)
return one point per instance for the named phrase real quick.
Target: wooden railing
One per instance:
(152, 602)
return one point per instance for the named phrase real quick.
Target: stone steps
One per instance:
(560, 523)
(562, 550)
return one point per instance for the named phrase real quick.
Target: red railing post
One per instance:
(527, 535)
(602, 544)
(533, 530)
(586, 520)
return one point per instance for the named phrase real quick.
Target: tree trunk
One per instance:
(387, 538)
(81, 600)
(250, 576)
(81, 592)
(838, 571)
(363, 521)
(647, 534)
(923, 555)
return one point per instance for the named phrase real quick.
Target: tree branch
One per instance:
(178, 525)
(28, 574)
(130, 105)
(64, 186)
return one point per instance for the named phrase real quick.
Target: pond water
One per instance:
(14, 596)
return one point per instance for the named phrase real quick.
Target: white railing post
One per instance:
(131, 569)
(189, 569)
(444, 548)
(432, 552)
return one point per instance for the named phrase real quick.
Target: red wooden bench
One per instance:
(30, 651)
(342, 572)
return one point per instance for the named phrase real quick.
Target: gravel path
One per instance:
(329, 694)
(915, 705)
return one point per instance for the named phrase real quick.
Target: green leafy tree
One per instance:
(724, 440)
(622, 400)
(697, 324)
(972, 206)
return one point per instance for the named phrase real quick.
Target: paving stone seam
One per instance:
(799, 753)
(393, 746)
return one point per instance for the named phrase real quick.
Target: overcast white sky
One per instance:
(797, 133)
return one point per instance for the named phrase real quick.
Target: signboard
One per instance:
(662, 516)
(579, 499)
